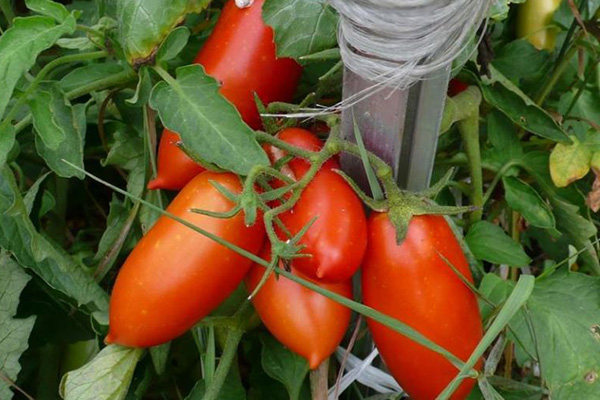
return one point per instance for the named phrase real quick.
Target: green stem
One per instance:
(229, 352)
(582, 85)
(499, 175)
(42, 74)
(556, 74)
(7, 10)
(469, 130)
(89, 30)
(101, 84)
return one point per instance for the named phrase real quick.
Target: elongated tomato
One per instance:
(169, 156)
(306, 322)
(175, 276)
(413, 284)
(240, 54)
(337, 239)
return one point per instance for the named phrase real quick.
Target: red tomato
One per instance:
(305, 321)
(174, 276)
(338, 238)
(240, 54)
(171, 155)
(413, 284)
(455, 87)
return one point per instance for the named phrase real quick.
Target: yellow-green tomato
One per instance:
(533, 22)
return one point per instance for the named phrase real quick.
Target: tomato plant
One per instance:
(337, 238)
(307, 322)
(240, 55)
(415, 282)
(174, 276)
(88, 252)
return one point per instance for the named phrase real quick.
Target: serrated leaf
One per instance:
(89, 74)
(523, 198)
(106, 377)
(20, 46)
(48, 8)
(501, 93)
(569, 162)
(173, 44)
(490, 243)
(144, 24)
(563, 311)
(302, 27)
(60, 130)
(283, 365)
(32, 250)
(207, 123)
(519, 59)
(14, 333)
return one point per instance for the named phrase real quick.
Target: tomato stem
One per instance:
(318, 381)
(229, 352)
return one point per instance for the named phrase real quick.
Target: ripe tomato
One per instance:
(455, 87)
(240, 54)
(169, 155)
(338, 238)
(305, 321)
(413, 284)
(175, 276)
(533, 20)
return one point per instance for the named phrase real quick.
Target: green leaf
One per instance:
(144, 24)
(117, 216)
(578, 229)
(563, 311)
(207, 123)
(20, 46)
(523, 198)
(283, 365)
(7, 141)
(302, 27)
(49, 9)
(499, 9)
(127, 149)
(490, 243)
(106, 377)
(31, 194)
(60, 130)
(519, 59)
(232, 388)
(32, 250)
(89, 74)
(143, 89)
(508, 98)
(160, 355)
(173, 44)
(569, 162)
(14, 333)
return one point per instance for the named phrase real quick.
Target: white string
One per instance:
(396, 43)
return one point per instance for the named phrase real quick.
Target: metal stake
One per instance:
(400, 126)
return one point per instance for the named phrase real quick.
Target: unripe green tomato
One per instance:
(533, 22)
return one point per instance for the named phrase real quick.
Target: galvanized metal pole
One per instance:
(400, 126)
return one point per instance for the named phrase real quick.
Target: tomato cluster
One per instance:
(175, 277)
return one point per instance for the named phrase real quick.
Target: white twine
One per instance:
(396, 43)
